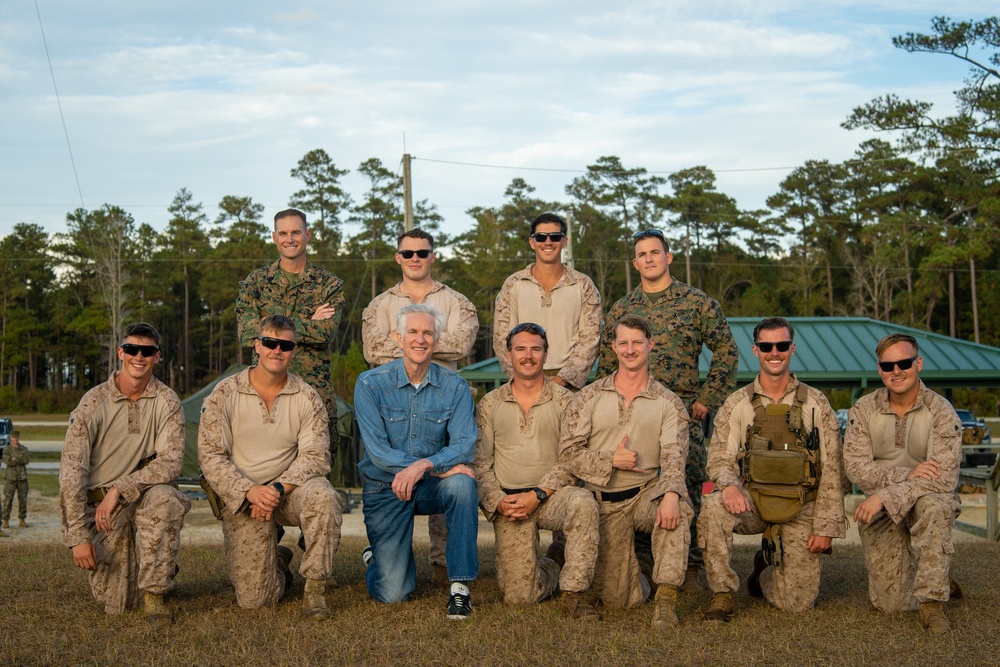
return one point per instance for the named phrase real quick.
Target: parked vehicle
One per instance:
(842, 418)
(6, 426)
(975, 433)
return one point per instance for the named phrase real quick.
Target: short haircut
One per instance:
(634, 322)
(415, 234)
(420, 309)
(276, 323)
(290, 213)
(549, 217)
(531, 328)
(142, 330)
(772, 323)
(892, 339)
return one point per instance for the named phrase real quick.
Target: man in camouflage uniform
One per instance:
(16, 457)
(793, 584)
(415, 254)
(121, 510)
(903, 447)
(311, 296)
(562, 301)
(626, 435)
(683, 319)
(522, 486)
(263, 446)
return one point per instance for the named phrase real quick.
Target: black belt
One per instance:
(618, 496)
(511, 492)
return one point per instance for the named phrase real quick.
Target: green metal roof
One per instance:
(838, 352)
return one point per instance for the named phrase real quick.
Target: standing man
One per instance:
(121, 511)
(903, 447)
(311, 296)
(626, 435)
(417, 425)
(522, 486)
(561, 300)
(16, 457)
(415, 254)
(263, 445)
(683, 319)
(781, 421)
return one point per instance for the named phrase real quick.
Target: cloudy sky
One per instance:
(225, 98)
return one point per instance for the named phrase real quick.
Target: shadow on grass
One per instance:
(49, 617)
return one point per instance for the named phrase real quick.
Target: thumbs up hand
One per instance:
(625, 459)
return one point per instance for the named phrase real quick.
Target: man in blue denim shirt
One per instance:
(419, 433)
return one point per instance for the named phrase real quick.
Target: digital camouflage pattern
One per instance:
(908, 549)
(15, 480)
(267, 291)
(683, 319)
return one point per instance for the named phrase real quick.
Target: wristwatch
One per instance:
(279, 487)
(540, 494)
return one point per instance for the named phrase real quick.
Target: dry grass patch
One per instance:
(50, 618)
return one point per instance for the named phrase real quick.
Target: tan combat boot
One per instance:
(721, 607)
(157, 614)
(314, 600)
(6, 524)
(23, 523)
(932, 617)
(692, 580)
(3, 534)
(575, 605)
(665, 616)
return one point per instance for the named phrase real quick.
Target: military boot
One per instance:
(314, 600)
(157, 614)
(753, 581)
(954, 589)
(6, 524)
(284, 568)
(576, 606)
(665, 615)
(3, 534)
(692, 580)
(22, 523)
(932, 617)
(721, 607)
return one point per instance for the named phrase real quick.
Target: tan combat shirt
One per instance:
(570, 315)
(880, 449)
(241, 444)
(518, 450)
(656, 423)
(730, 435)
(108, 435)
(378, 325)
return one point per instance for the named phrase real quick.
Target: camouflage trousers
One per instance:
(252, 546)
(139, 553)
(524, 578)
(908, 563)
(695, 475)
(10, 487)
(791, 586)
(616, 579)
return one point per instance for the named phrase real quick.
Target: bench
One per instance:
(989, 478)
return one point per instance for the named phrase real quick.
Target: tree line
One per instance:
(905, 231)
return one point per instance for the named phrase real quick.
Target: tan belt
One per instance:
(97, 495)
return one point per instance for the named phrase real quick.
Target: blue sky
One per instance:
(225, 98)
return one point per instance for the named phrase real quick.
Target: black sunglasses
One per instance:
(423, 253)
(648, 232)
(555, 237)
(783, 346)
(271, 343)
(904, 364)
(530, 327)
(133, 350)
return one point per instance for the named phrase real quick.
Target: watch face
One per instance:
(541, 495)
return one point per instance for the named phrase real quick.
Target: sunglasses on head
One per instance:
(133, 350)
(648, 232)
(423, 253)
(530, 327)
(904, 364)
(272, 343)
(782, 345)
(555, 237)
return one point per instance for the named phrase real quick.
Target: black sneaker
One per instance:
(460, 603)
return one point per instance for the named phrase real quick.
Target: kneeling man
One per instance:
(775, 462)
(626, 435)
(522, 486)
(419, 434)
(264, 447)
(903, 447)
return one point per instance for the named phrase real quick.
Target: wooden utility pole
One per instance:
(568, 252)
(407, 194)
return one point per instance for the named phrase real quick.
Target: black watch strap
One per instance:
(540, 494)
(279, 487)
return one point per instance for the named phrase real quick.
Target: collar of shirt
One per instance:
(430, 378)
(149, 392)
(885, 407)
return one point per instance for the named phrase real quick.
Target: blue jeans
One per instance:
(392, 574)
